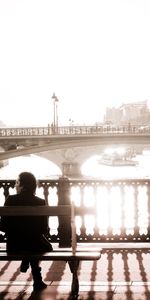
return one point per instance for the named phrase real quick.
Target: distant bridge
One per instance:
(73, 144)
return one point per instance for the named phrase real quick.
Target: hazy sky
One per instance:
(91, 53)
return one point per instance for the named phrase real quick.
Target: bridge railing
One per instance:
(119, 210)
(74, 130)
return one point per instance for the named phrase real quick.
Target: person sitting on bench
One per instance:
(27, 233)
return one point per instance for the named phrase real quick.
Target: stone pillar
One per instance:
(71, 169)
(64, 229)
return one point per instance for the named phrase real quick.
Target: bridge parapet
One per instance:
(74, 130)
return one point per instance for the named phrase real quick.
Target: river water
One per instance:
(141, 170)
(45, 169)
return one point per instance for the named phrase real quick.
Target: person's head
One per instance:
(26, 181)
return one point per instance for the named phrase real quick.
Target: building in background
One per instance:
(134, 113)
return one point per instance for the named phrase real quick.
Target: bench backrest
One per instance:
(63, 210)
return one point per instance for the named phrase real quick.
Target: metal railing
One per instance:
(74, 130)
(119, 210)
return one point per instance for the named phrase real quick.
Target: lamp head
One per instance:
(54, 97)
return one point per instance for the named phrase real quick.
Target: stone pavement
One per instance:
(120, 274)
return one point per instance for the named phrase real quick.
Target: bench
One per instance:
(72, 256)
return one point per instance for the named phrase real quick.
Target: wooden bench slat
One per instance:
(61, 256)
(35, 210)
(45, 210)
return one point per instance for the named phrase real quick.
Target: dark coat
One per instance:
(24, 233)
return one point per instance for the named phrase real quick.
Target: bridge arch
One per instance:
(39, 166)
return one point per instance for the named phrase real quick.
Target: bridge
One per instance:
(70, 146)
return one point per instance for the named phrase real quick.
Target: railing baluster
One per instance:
(96, 229)
(83, 228)
(109, 232)
(136, 212)
(64, 229)
(148, 207)
(123, 229)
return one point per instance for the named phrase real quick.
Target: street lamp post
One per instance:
(55, 111)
